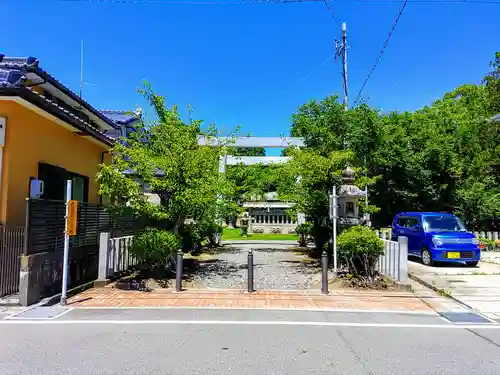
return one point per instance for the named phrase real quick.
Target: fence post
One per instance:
(104, 257)
(324, 272)
(250, 272)
(403, 256)
(178, 271)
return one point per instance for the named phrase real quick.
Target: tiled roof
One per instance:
(13, 73)
(496, 118)
(121, 117)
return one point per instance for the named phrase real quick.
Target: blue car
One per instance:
(436, 237)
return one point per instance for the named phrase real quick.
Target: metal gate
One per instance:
(11, 249)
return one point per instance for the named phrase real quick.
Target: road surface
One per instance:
(218, 341)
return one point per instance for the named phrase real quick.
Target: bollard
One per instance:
(178, 271)
(250, 271)
(324, 272)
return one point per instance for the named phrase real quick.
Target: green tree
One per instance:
(165, 157)
(492, 82)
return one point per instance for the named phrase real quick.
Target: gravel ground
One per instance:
(276, 267)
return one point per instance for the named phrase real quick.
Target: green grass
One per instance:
(235, 234)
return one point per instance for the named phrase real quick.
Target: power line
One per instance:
(429, 47)
(318, 67)
(330, 10)
(191, 2)
(242, 2)
(382, 50)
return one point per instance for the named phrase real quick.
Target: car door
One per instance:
(413, 232)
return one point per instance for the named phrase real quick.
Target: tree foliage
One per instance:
(443, 157)
(164, 158)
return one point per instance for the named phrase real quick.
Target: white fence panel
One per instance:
(114, 255)
(394, 261)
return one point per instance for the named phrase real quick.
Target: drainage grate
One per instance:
(464, 317)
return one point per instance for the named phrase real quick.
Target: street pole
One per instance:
(334, 230)
(64, 290)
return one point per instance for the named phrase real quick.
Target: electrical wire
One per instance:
(427, 50)
(382, 50)
(242, 2)
(330, 10)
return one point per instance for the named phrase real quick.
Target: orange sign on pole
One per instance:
(72, 218)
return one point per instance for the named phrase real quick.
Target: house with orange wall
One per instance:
(48, 135)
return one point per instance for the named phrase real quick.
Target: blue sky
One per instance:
(249, 64)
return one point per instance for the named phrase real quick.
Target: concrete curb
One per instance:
(403, 287)
(50, 301)
(441, 292)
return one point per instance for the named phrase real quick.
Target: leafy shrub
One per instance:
(190, 237)
(488, 245)
(153, 245)
(208, 230)
(304, 230)
(359, 249)
(193, 235)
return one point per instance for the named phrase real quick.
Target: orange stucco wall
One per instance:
(30, 139)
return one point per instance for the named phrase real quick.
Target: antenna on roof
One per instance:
(81, 71)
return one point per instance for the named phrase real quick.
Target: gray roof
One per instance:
(495, 118)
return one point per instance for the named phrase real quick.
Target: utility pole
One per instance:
(341, 51)
(81, 71)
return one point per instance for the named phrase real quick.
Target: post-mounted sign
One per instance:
(72, 218)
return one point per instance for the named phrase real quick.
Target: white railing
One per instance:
(394, 261)
(114, 255)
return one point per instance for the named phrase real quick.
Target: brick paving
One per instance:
(349, 300)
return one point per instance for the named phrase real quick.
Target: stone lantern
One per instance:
(349, 197)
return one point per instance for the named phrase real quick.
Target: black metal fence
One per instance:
(11, 248)
(44, 241)
(45, 220)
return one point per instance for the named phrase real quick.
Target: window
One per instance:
(407, 222)
(55, 178)
(443, 223)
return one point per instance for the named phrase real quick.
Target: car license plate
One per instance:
(453, 255)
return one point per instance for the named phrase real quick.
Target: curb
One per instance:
(441, 292)
(403, 287)
(50, 301)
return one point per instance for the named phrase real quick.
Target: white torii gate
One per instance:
(252, 142)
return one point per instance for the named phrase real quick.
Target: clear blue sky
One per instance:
(247, 64)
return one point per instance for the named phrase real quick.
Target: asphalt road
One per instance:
(176, 341)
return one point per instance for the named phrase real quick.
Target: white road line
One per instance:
(255, 323)
(17, 317)
(381, 311)
(63, 313)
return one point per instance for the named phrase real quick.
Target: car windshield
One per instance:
(443, 223)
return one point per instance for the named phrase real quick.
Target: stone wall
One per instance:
(41, 273)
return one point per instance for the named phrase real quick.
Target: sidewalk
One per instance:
(352, 300)
(477, 288)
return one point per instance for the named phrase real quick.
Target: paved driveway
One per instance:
(277, 266)
(477, 287)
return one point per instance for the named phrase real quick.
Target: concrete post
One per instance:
(403, 256)
(104, 257)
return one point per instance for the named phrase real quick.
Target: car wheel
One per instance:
(472, 264)
(427, 257)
